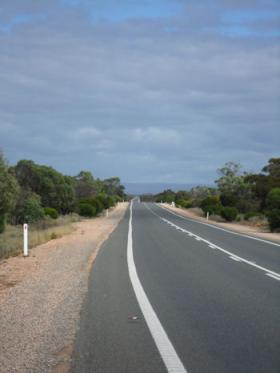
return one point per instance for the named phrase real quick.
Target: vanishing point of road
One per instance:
(172, 294)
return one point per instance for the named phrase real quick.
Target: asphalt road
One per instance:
(168, 293)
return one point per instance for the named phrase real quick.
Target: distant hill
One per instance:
(154, 188)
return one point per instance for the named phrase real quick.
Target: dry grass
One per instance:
(11, 241)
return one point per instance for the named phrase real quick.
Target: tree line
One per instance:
(236, 196)
(30, 192)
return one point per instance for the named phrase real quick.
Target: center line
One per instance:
(209, 243)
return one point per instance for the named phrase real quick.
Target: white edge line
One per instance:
(253, 264)
(215, 227)
(169, 356)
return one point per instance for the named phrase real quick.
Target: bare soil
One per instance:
(41, 297)
(249, 229)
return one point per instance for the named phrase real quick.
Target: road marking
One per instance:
(235, 258)
(209, 243)
(273, 276)
(222, 229)
(169, 355)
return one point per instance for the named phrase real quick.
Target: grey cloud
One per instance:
(134, 100)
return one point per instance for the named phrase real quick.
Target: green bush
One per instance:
(87, 210)
(106, 201)
(184, 203)
(273, 217)
(212, 205)
(252, 214)
(111, 201)
(51, 212)
(94, 202)
(229, 213)
(28, 209)
(98, 205)
(228, 199)
(2, 222)
(273, 199)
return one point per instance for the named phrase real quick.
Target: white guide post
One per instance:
(107, 212)
(207, 215)
(25, 239)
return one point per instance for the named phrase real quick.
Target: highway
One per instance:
(171, 294)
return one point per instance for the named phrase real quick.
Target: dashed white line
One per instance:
(236, 257)
(169, 355)
(273, 276)
(221, 229)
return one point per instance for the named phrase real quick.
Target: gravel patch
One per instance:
(41, 297)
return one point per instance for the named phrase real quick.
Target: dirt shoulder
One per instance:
(41, 297)
(235, 227)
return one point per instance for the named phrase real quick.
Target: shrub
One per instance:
(228, 199)
(212, 205)
(252, 214)
(2, 222)
(273, 217)
(273, 199)
(98, 205)
(184, 203)
(229, 213)
(107, 201)
(53, 236)
(87, 210)
(28, 209)
(111, 201)
(51, 212)
(94, 202)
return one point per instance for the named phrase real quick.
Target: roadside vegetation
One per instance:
(238, 196)
(48, 201)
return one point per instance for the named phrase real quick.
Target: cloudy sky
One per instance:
(149, 90)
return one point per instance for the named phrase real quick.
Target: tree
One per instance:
(261, 184)
(234, 188)
(273, 168)
(199, 193)
(230, 180)
(8, 191)
(166, 196)
(113, 187)
(86, 185)
(56, 190)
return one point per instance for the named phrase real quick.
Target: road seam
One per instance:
(167, 352)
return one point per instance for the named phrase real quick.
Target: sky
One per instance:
(152, 91)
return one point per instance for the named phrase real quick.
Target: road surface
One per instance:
(171, 294)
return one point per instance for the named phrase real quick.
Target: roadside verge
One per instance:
(41, 297)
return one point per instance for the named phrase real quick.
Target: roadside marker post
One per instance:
(207, 215)
(25, 239)
(107, 212)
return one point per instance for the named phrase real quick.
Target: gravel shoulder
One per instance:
(240, 228)
(41, 297)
